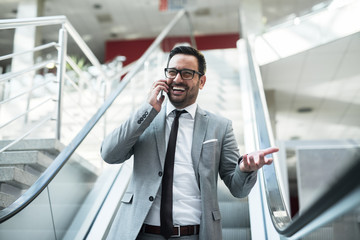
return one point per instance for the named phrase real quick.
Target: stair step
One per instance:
(6, 200)
(25, 161)
(35, 159)
(50, 145)
(16, 177)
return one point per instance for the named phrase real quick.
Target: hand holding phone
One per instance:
(156, 95)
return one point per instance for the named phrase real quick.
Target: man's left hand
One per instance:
(255, 160)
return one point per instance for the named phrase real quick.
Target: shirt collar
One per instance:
(191, 109)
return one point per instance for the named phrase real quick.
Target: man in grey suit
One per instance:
(205, 148)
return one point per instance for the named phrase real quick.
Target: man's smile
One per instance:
(178, 89)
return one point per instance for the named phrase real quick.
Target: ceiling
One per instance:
(99, 21)
(315, 94)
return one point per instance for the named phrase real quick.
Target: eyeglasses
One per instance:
(186, 74)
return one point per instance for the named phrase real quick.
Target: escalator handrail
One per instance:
(340, 197)
(49, 174)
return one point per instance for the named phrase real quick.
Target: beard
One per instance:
(182, 99)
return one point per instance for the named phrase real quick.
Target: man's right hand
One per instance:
(153, 99)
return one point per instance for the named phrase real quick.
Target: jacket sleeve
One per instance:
(118, 145)
(238, 182)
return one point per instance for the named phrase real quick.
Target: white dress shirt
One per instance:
(186, 192)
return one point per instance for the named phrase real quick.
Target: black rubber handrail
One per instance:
(345, 191)
(50, 173)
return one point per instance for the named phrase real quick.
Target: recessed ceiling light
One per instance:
(97, 6)
(113, 35)
(305, 109)
(104, 18)
(202, 12)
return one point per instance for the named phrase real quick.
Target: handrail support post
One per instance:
(60, 76)
(191, 26)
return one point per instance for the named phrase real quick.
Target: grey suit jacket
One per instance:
(214, 152)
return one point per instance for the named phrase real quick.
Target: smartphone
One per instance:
(162, 92)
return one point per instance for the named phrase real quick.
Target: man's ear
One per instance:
(202, 81)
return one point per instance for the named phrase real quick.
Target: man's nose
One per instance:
(177, 78)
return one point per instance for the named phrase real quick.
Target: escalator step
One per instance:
(234, 214)
(236, 234)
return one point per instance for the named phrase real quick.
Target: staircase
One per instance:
(23, 163)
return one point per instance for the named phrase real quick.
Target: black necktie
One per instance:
(167, 181)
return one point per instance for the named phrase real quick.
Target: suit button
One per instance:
(151, 198)
(160, 173)
(138, 121)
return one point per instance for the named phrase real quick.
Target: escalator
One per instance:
(53, 208)
(323, 217)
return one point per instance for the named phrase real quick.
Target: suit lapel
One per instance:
(159, 126)
(200, 127)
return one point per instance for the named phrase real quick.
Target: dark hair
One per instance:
(190, 51)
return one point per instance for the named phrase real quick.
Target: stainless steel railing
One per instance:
(33, 101)
(64, 65)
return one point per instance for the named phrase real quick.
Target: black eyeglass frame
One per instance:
(180, 71)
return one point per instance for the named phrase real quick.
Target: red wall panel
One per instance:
(133, 49)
